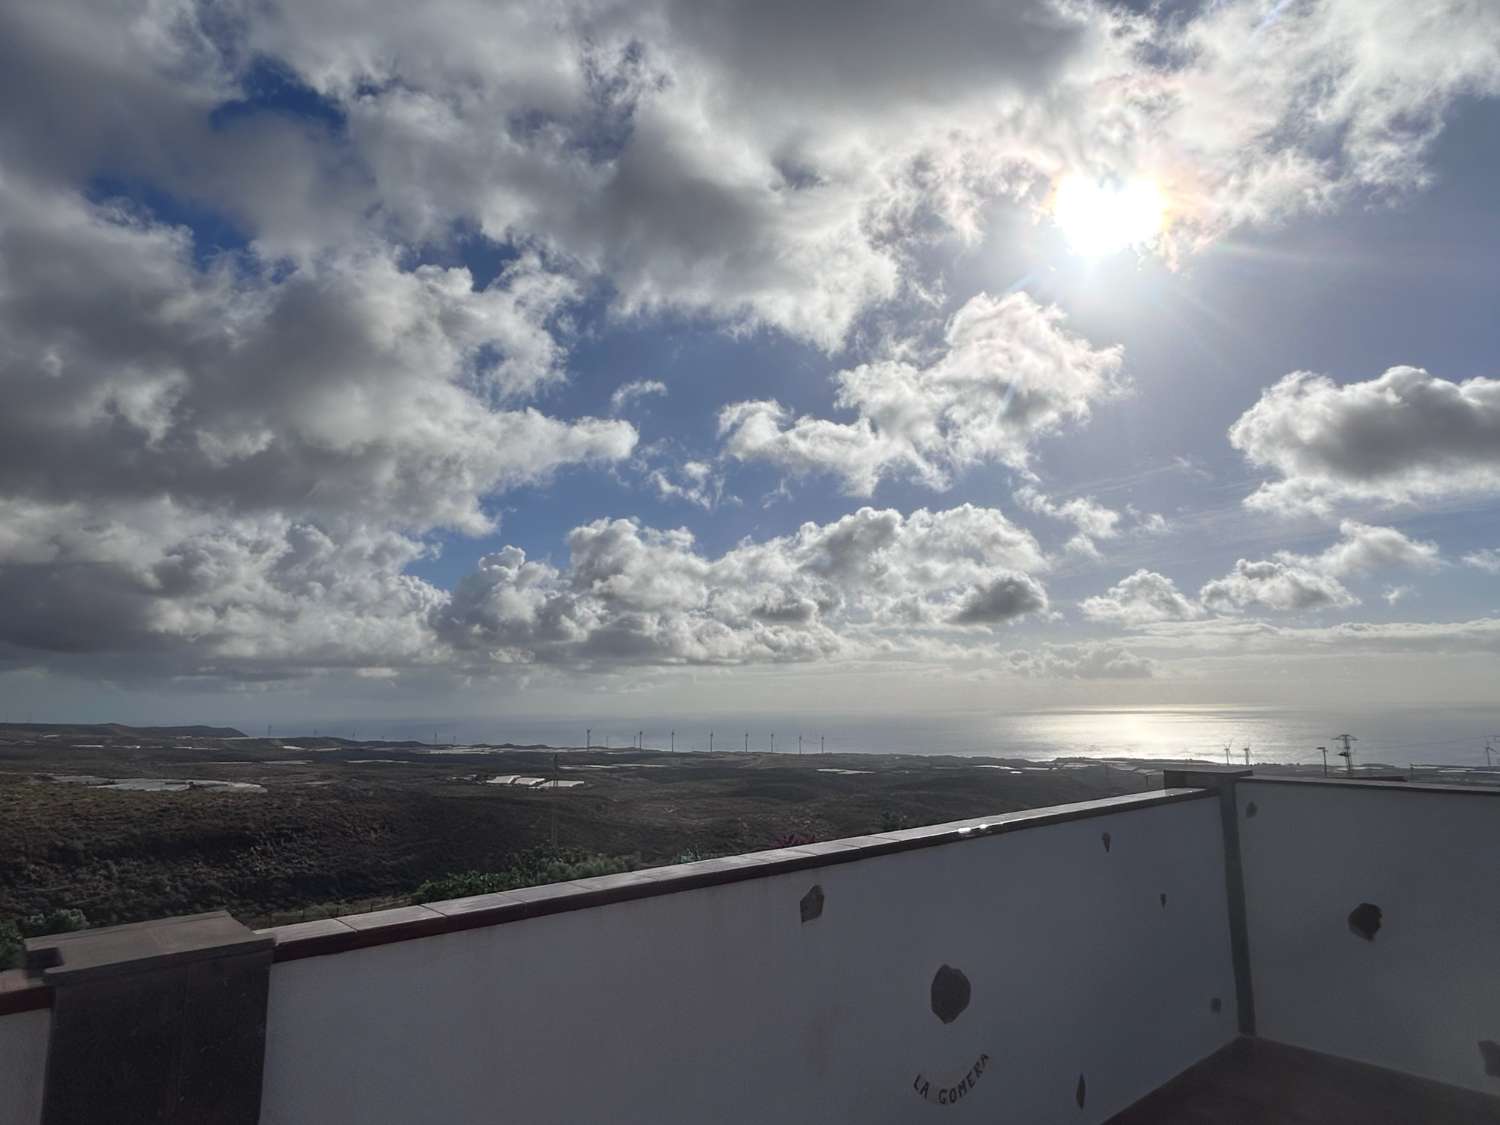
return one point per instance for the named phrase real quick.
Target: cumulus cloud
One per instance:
(1007, 373)
(225, 466)
(1277, 585)
(1140, 599)
(627, 393)
(1292, 582)
(184, 593)
(871, 582)
(349, 389)
(1003, 598)
(1362, 548)
(1286, 582)
(1403, 437)
(1086, 661)
(264, 597)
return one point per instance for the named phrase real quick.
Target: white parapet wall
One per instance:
(23, 1063)
(1055, 970)
(1374, 923)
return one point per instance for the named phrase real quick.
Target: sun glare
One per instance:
(1099, 218)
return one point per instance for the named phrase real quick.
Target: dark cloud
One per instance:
(1399, 438)
(1001, 599)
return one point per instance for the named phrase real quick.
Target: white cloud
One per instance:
(1269, 109)
(873, 582)
(1487, 560)
(1287, 582)
(1093, 520)
(627, 393)
(1008, 372)
(1148, 523)
(1291, 582)
(1363, 548)
(153, 590)
(348, 389)
(177, 592)
(1139, 599)
(1404, 437)
(1277, 585)
(696, 482)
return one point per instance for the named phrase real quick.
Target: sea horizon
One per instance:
(1399, 735)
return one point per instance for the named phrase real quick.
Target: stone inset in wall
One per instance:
(1364, 921)
(1489, 1054)
(950, 993)
(812, 903)
(1081, 1094)
(1106, 839)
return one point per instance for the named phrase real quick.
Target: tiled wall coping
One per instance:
(356, 931)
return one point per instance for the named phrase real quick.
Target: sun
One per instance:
(1104, 218)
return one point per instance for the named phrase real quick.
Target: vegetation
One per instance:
(533, 867)
(14, 931)
(793, 840)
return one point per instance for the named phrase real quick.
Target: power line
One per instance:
(1346, 753)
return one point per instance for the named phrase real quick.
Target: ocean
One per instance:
(1440, 735)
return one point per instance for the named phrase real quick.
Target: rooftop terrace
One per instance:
(1227, 949)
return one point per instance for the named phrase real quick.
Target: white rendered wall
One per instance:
(720, 1005)
(1422, 995)
(23, 1061)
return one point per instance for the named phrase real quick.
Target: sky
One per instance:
(491, 358)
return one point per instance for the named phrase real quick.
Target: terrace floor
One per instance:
(1257, 1082)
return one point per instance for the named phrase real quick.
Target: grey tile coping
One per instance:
(316, 928)
(312, 939)
(1382, 786)
(395, 916)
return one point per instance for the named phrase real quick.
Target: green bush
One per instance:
(530, 868)
(13, 932)
(10, 945)
(63, 921)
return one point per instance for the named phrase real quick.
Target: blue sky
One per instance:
(675, 353)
